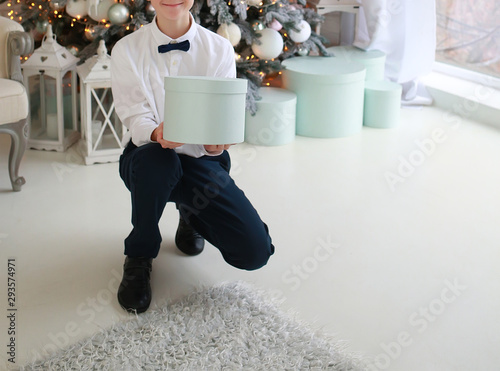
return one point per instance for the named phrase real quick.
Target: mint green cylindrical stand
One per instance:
(330, 94)
(373, 60)
(274, 122)
(204, 110)
(382, 104)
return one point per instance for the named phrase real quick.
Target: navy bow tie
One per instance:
(183, 45)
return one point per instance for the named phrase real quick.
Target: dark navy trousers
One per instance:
(206, 197)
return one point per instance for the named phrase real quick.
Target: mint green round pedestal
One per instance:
(373, 60)
(330, 95)
(382, 104)
(274, 122)
(204, 110)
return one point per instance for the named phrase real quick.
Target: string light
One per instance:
(44, 12)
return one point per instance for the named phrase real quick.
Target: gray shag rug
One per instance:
(232, 326)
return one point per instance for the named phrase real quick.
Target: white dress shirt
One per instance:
(138, 71)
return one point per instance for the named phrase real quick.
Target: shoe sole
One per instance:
(133, 310)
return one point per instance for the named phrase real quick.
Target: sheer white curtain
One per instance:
(406, 31)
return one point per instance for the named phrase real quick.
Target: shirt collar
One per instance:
(161, 38)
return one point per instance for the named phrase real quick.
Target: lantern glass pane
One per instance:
(69, 124)
(106, 127)
(43, 107)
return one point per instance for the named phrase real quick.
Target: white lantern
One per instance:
(50, 78)
(102, 130)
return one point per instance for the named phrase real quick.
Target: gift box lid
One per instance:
(325, 70)
(383, 85)
(276, 95)
(205, 85)
(367, 57)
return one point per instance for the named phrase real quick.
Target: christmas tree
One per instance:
(263, 32)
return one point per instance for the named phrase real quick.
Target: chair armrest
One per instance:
(19, 43)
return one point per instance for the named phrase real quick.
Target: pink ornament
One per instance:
(275, 25)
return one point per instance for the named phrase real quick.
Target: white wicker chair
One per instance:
(14, 42)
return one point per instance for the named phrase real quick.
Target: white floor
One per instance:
(400, 260)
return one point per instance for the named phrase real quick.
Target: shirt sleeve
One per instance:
(227, 67)
(129, 95)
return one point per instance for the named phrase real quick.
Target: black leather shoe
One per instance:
(134, 293)
(188, 240)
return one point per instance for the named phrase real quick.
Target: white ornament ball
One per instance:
(118, 14)
(231, 32)
(100, 12)
(254, 2)
(77, 8)
(303, 33)
(275, 25)
(271, 44)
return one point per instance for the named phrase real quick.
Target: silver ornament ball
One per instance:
(150, 10)
(258, 26)
(73, 49)
(302, 51)
(55, 5)
(118, 14)
(41, 25)
(90, 33)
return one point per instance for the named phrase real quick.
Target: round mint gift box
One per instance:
(330, 95)
(382, 104)
(204, 110)
(373, 60)
(274, 122)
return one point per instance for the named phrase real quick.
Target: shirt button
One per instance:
(174, 63)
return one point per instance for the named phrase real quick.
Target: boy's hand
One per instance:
(216, 148)
(157, 136)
